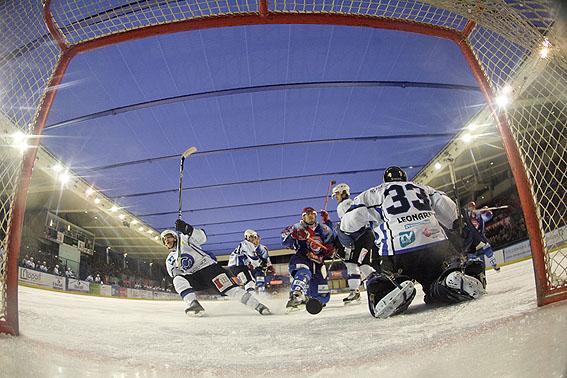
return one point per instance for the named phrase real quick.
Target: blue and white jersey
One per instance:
(193, 258)
(262, 252)
(403, 214)
(244, 255)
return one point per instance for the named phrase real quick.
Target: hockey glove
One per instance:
(184, 228)
(299, 234)
(324, 216)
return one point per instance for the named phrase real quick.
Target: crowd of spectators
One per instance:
(92, 270)
(507, 226)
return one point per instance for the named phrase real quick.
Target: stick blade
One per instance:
(190, 151)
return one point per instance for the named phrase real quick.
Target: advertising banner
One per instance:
(77, 285)
(106, 290)
(41, 279)
(94, 288)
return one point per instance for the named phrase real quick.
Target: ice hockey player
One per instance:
(476, 244)
(312, 242)
(244, 260)
(413, 246)
(265, 269)
(360, 256)
(194, 270)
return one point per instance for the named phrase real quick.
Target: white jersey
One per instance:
(244, 254)
(343, 207)
(193, 258)
(405, 215)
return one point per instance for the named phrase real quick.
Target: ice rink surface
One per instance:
(503, 334)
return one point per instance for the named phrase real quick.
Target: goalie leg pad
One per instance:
(455, 287)
(385, 298)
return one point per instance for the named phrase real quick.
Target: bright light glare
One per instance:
(122, 216)
(89, 191)
(57, 168)
(438, 166)
(467, 138)
(141, 229)
(64, 177)
(20, 141)
(97, 200)
(472, 126)
(113, 209)
(507, 90)
(544, 52)
(502, 100)
(134, 222)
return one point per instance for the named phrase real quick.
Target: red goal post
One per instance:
(502, 43)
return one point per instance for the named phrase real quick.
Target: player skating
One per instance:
(194, 270)
(265, 269)
(413, 246)
(312, 242)
(359, 252)
(476, 244)
(247, 262)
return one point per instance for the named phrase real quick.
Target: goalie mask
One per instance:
(395, 174)
(164, 235)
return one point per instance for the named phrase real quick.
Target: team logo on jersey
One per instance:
(406, 238)
(187, 261)
(427, 232)
(315, 247)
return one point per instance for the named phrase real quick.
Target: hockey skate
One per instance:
(263, 310)
(296, 300)
(195, 309)
(353, 298)
(395, 301)
(466, 284)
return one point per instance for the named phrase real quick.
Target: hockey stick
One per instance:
(331, 183)
(456, 194)
(190, 151)
(493, 208)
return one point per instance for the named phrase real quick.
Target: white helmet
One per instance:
(341, 188)
(250, 234)
(164, 233)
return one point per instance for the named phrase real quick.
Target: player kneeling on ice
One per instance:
(193, 269)
(312, 243)
(413, 245)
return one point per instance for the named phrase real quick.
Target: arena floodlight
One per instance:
(438, 166)
(64, 177)
(97, 200)
(467, 138)
(546, 47)
(89, 191)
(114, 208)
(20, 141)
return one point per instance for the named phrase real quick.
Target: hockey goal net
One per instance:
(501, 40)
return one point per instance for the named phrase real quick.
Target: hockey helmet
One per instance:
(250, 234)
(165, 233)
(342, 187)
(308, 209)
(394, 173)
